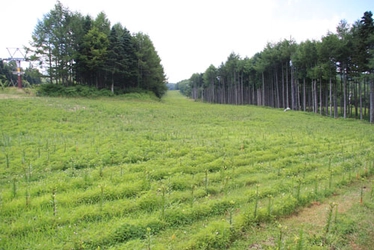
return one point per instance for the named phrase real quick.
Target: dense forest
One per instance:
(74, 49)
(333, 76)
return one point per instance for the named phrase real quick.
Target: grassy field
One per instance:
(136, 173)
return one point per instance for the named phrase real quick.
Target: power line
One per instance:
(15, 56)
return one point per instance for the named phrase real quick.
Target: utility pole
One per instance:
(14, 52)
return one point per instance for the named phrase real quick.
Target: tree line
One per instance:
(333, 76)
(74, 49)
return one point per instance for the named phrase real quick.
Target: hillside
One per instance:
(137, 173)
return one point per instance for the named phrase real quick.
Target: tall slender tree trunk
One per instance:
(287, 98)
(313, 100)
(263, 90)
(344, 97)
(292, 89)
(356, 101)
(253, 94)
(371, 101)
(330, 95)
(315, 97)
(344, 90)
(277, 103)
(213, 90)
(326, 97)
(223, 92)
(360, 96)
(50, 69)
(366, 95)
(242, 89)
(320, 96)
(298, 94)
(335, 101)
(112, 87)
(283, 90)
(272, 96)
(304, 94)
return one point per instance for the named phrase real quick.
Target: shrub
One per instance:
(176, 217)
(51, 90)
(150, 202)
(56, 90)
(128, 232)
(180, 184)
(215, 236)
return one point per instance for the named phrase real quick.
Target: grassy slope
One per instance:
(351, 226)
(90, 173)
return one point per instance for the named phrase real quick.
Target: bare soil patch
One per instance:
(313, 219)
(9, 96)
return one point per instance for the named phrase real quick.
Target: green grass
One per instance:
(138, 173)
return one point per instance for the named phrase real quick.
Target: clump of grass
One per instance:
(192, 199)
(14, 187)
(7, 159)
(270, 203)
(300, 240)
(257, 197)
(280, 236)
(101, 197)
(147, 180)
(27, 196)
(206, 181)
(230, 211)
(54, 202)
(298, 191)
(148, 236)
(226, 185)
(101, 170)
(163, 201)
(316, 180)
(332, 205)
(363, 187)
(330, 178)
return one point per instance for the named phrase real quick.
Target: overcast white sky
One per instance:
(189, 35)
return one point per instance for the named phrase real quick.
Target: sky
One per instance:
(190, 35)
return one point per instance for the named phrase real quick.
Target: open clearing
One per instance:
(130, 173)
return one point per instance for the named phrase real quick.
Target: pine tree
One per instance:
(150, 70)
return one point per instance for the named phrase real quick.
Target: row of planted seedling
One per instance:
(225, 177)
(214, 165)
(190, 201)
(216, 184)
(62, 148)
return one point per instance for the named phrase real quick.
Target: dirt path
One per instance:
(9, 96)
(15, 93)
(313, 219)
(315, 215)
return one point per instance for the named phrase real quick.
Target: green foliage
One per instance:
(99, 172)
(215, 236)
(54, 90)
(127, 232)
(330, 77)
(73, 49)
(150, 71)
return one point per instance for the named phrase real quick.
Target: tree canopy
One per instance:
(333, 76)
(75, 49)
